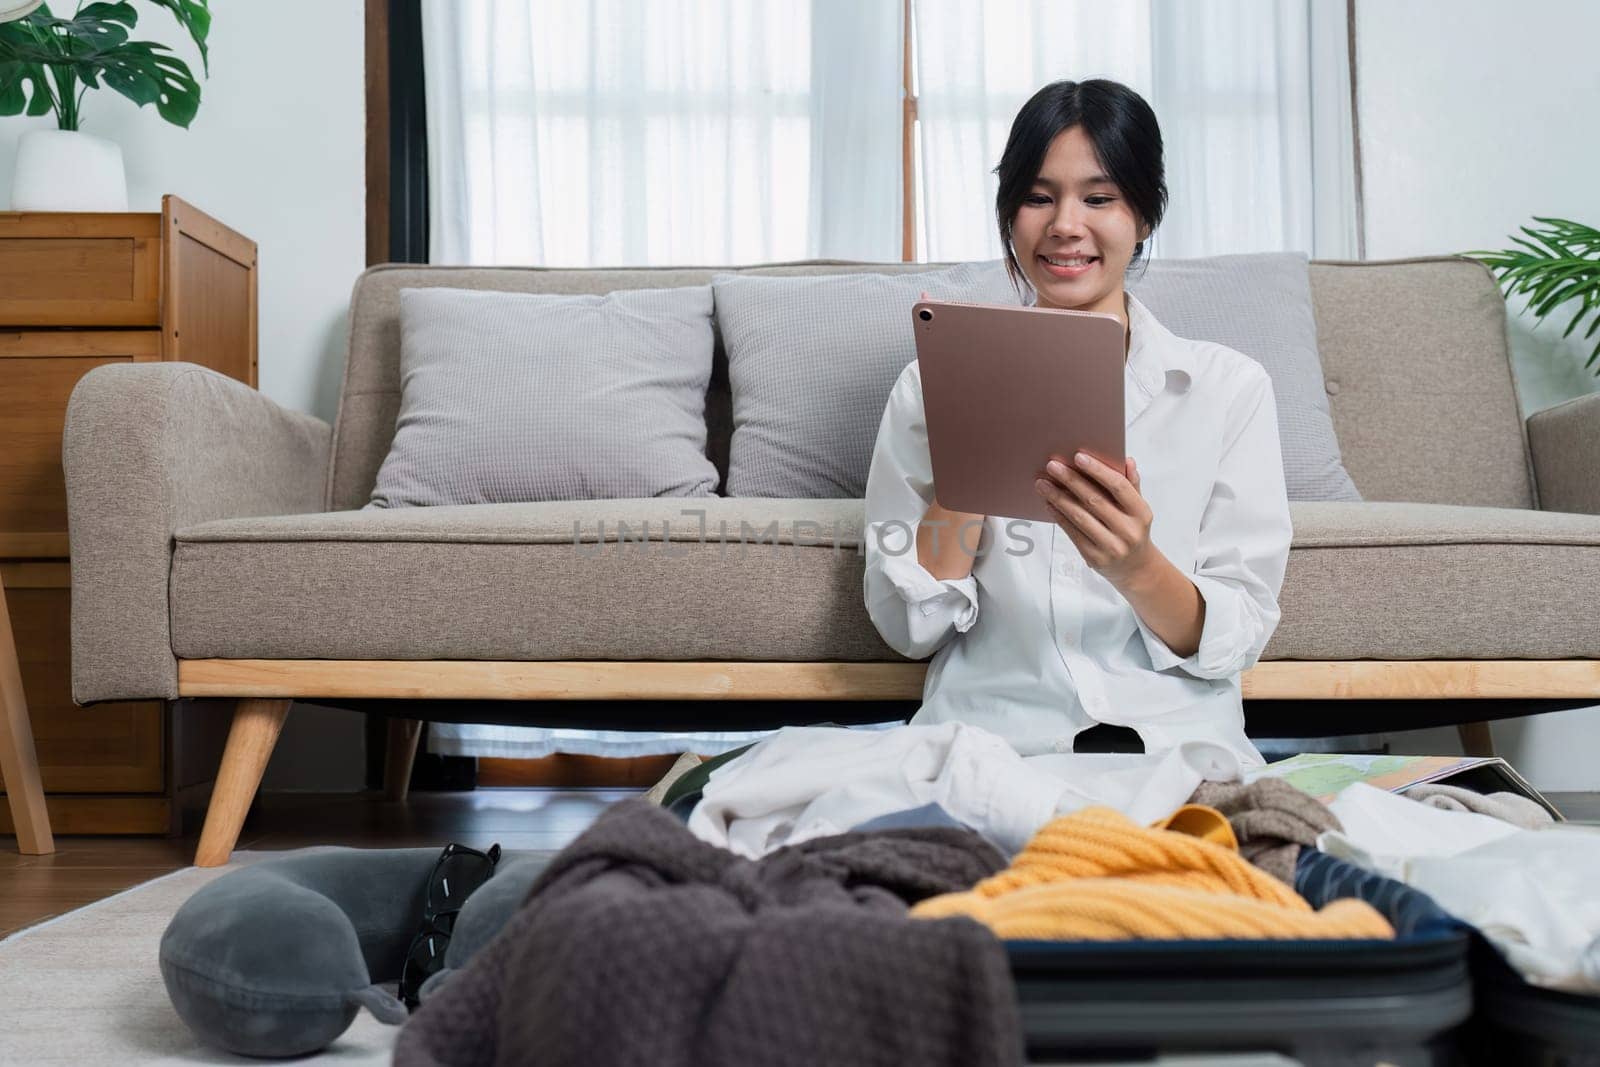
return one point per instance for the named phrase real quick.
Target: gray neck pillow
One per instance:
(276, 958)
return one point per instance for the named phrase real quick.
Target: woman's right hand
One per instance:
(947, 541)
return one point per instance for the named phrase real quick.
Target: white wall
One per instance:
(277, 151)
(1477, 115)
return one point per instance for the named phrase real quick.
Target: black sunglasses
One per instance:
(458, 871)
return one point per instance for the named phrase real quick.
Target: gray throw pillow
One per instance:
(1259, 304)
(811, 361)
(520, 397)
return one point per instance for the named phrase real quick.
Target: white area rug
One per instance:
(85, 988)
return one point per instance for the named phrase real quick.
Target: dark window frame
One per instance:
(397, 134)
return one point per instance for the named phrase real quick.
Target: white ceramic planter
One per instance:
(65, 170)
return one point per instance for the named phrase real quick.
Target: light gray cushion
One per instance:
(509, 397)
(1260, 304)
(1403, 345)
(508, 582)
(811, 362)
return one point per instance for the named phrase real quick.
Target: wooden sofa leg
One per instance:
(256, 725)
(19, 763)
(403, 736)
(1476, 740)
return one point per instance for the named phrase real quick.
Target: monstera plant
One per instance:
(49, 63)
(1557, 265)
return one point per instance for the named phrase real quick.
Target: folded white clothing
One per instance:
(1532, 893)
(1383, 830)
(1143, 786)
(808, 782)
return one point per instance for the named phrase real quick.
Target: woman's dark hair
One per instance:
(1125, 135)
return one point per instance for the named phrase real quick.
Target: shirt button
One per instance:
(1063, 744)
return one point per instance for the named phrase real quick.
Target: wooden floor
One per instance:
(86, 869)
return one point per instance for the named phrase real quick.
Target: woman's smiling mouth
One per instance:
(1068, 266)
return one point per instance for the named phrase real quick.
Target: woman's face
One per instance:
(1073, 213)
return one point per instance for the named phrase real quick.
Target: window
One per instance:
(622, 132)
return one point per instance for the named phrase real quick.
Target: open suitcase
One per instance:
(1321, 1002)
(1403, 1003)
(1520, 1025)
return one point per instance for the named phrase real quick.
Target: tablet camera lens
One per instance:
(925, 315)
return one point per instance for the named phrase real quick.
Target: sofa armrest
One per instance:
(150, 448)
(1565, 442)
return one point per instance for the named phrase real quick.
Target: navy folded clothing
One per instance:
(1320, 878)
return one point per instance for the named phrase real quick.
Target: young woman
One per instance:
(1157, 584)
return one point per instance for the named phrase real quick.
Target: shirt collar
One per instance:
(1157, 359)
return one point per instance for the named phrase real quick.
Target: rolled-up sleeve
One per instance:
(915, 613)
(1243, 544)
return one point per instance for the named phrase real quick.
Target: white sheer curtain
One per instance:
(625, 132)
(1253, 97)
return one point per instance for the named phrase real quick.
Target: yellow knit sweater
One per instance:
(1094, 875)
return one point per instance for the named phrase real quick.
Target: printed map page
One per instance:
(1325, 774)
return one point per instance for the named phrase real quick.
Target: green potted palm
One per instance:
(48, 65)
(1556, 265)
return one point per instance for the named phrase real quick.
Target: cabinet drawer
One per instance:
(109, 748)
(80, 270)
(38, 371)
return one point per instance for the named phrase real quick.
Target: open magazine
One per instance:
(1324, 775)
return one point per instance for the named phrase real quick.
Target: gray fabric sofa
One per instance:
(218, 549)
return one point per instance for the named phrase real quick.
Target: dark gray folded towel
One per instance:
(642, 944)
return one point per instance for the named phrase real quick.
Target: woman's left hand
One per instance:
(1103, 512)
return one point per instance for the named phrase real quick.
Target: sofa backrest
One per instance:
(1419, 381)
(1414, 353)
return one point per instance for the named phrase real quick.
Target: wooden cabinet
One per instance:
(78, 291)
(38, 370)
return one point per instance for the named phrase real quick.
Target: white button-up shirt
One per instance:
(1035, 645)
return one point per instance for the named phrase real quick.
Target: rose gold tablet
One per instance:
(1004, 388)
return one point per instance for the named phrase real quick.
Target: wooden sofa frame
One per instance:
(264, 690)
